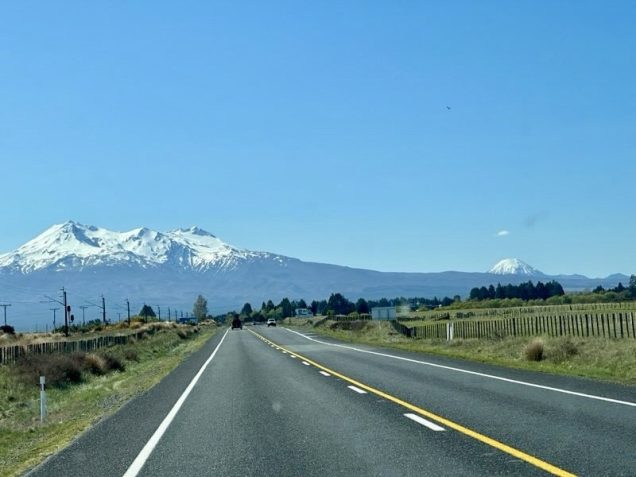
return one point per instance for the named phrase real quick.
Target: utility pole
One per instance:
(118, 316)
(128, 306)
(5, 305)
(83, 307)
(66, 310)
(168, 314)
(103, 309)
(53, 310)
(159, 312)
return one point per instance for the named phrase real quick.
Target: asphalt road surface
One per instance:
(276, 402)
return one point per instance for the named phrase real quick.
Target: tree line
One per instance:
(336, 304)
(524, 291)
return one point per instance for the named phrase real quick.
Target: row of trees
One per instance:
(619, 292)
(336, 304)
(523, 291)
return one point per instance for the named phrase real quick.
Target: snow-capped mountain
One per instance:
(513, 266)
(75, 246)
(169, 269)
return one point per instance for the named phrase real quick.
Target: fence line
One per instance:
(617, 325)
(10, 354)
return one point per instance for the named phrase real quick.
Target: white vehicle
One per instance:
(271, 322)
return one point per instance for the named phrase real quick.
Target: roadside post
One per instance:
(42, 399)
(449, 331)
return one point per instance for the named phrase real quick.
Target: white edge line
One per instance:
(459, 370)
(358, 390)
(143, 456)
(420, 420)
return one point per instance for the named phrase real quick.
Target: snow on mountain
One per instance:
(73, 245)
(513, 266)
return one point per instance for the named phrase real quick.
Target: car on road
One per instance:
(236, 323)
(271, 322)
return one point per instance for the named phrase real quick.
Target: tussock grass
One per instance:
(534, 350)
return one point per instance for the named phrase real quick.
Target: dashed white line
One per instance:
(474, 373)
(420, 420)
(325, 373)
(358, 390)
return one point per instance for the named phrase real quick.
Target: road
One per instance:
(277, 402)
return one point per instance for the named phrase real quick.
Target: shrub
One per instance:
(59, 369)
(563, 350)
(8, 329)
(183, 334)
(534, 350)
(113, 363)
(95, 364)
(131, 355)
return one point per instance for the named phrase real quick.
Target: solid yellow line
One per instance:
(541, 464)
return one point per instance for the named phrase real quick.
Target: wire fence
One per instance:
(10, 354)
(602, 325)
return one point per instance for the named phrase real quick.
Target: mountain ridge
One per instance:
(172, 268)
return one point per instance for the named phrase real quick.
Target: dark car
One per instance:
(236, 323)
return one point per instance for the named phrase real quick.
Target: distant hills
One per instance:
(169, 269)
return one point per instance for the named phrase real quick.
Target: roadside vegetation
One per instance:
(598, 358)
(82, 388)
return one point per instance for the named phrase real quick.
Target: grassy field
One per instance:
(606, 359)
(24, 442)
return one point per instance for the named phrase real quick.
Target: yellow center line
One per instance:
(541, 464)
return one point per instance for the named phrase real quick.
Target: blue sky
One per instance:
(322, 130)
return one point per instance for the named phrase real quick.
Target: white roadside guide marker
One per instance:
(305, 363)
(420, 420)
(325, 373)
(358, 390)
(143, 456)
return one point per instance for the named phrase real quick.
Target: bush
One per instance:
(563, 350)
(534, 350)
(8, 329)
(131, 355)
(95, 364)
(60, 370)
(113, 363)
(183, 334)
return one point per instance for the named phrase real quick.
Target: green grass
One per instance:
(597, 358)
(24, 442)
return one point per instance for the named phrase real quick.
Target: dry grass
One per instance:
(534, 350)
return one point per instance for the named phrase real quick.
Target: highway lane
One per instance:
(259, 410)
(581, 434)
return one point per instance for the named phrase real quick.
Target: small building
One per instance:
(383, 313)
(303, 312)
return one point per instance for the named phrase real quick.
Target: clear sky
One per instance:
(393, 135)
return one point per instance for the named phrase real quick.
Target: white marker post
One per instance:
(449, 331)
(42, 400)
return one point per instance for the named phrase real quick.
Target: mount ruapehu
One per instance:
(170, 269)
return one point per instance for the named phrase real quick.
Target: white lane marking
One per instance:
(305, 363)
(460, 370)
(431, 425)
(325, 373)
(142, 457)
(358, 390)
